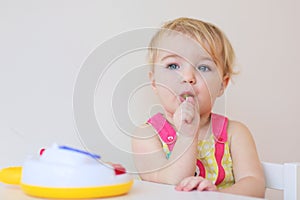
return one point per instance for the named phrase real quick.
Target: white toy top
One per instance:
(62, 166)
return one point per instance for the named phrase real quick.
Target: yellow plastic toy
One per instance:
(65, 172)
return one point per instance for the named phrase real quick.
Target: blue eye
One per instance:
(203, 68)
(173, 66)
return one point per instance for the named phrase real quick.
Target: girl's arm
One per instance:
(150, 159)
(247, 169)
(151, 162)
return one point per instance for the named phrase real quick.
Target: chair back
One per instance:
(285, 177)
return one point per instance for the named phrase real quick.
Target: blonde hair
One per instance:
(210, 37)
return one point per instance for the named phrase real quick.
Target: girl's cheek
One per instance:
(168, 79)
(213, 90)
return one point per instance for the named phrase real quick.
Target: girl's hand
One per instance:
(195, 183)
(186, 118)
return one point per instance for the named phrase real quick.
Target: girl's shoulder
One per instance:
(144, 138)
(236, 126)
(143, 130)
(237, 130)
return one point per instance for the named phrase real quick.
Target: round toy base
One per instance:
(77, 193)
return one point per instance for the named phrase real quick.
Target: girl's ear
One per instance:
(153, 84)
(224, 84)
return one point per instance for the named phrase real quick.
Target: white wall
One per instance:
(43, 45)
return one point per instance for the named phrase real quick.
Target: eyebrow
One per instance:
(204, 58)
(207, 59)
(170, 56)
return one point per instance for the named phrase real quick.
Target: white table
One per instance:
(141, 190)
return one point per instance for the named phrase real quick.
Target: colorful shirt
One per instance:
(214, 160)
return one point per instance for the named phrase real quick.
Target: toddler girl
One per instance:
(188, 145)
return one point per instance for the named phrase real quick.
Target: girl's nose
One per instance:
(189, 75)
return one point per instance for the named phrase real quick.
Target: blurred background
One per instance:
(45, 46)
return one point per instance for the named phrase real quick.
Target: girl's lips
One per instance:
(185, 95)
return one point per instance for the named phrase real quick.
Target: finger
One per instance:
(187, 112)
(188, 117)
(190, 186)
(203, 185)
(193, 101)
(179, 187)
(191, 183)
(182, 183)
(206, 185)
(190, 100)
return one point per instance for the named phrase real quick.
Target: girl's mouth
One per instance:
(185, 95)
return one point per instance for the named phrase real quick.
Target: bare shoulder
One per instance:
(236, 126)
(145, 139)
(143, 130)
(238, 131)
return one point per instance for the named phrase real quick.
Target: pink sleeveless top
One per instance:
(214, 160)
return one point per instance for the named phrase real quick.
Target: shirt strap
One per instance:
(164, 129)
(219, 129)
